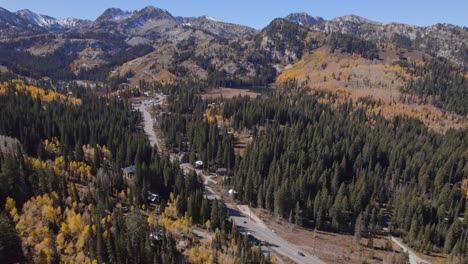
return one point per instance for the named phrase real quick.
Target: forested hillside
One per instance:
(64, 198)
(349, 129)
(440, 83)
(342, 170)
(327, 164)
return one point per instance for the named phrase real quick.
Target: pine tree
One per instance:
(298, 215)
(10, 243)
(453, 234)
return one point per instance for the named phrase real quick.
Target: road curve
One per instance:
(245, 225)
(414, 259)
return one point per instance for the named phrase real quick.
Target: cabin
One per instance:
(124, 86)
(156, 236)
(199, 164)
(152, 198)
(221, 172)
(232, 193)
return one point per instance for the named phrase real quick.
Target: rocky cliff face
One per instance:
(150, 23)
(304, 19)
(443, 40)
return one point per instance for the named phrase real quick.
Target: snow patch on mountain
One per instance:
(115, 14)
(70, 22)
(304, 19)
(36, 19)
(213, 19)
(355, 20)
(46, 22)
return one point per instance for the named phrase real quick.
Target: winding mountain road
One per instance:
(246, 224)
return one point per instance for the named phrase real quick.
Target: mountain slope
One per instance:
(348, 55)
(304, 19)
(48, 23)
(113, 14)
(218, 27)
(13, 25)
(442, 40)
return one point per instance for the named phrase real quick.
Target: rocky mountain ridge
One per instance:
(48, 23)
(200, 45)
(443, 40)
(149, 22)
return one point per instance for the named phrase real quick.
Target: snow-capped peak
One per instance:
(114, 14)
(36, 19)
(69, 22)
(304, 19)
(213, 19)
(51, 24)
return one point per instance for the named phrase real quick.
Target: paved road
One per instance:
(149, 126)
(414, 259)
(272, 240)
(256, 229)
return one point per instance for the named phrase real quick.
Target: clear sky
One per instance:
(258, 13)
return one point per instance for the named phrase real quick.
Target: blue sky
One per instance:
(258, 13)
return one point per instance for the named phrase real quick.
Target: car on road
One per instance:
(245, 222)
(124, 210)
(300, 254)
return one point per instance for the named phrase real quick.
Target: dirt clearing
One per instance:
(331, 247)
(227, 93)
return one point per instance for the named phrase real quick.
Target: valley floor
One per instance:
(279, 237)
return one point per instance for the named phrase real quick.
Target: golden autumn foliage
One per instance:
(201, 254)
(77, 171)
(39, 242)
(9, 204)
(171, 222)
(72, 236)
(52, 145)
(114, 93)
(213, 115)
(38, 214)
(89, 152)
(150, 220)
(36, 92)
(352, 77)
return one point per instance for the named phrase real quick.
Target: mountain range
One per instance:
(203, 47)
(150, 23)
